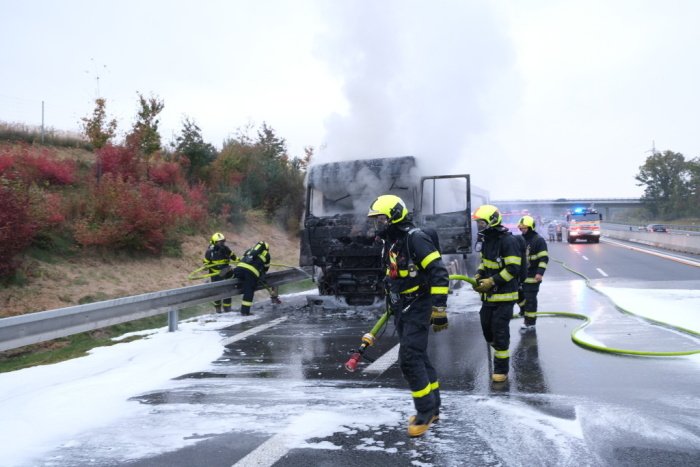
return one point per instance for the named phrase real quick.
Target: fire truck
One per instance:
(583, 224)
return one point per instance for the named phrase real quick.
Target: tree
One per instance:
(144, 134)
(666, 178)
(694, 186)
(271, 147)
(191, 144)
(96, 128)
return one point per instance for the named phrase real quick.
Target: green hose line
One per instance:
(582, 343)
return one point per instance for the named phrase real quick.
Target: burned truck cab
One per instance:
(338, 240)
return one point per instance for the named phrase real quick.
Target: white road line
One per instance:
(672, 257)
(381, 364)
(601, 272)
(268, 452)
(250, 332)
(584, 257)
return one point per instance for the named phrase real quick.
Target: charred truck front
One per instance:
(338, 242)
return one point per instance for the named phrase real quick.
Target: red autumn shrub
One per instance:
(117, 160)
(166, 173)
(16, 226)
(36, 165)
(127, 216)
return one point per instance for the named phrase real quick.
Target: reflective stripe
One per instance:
(439, 290)
(429, 259)
(542, 265)
(412, 289)
(216, 262)
(250, 268)
(530, 280)
(502, 297)
(501, 354)
(505, 275)
(246, 303)
(403, 272)
(490, 264)
(541, 254)
(434, 386)
(531, 314)
(421, 392)
(513, 260)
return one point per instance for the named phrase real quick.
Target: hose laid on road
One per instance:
(582, 343)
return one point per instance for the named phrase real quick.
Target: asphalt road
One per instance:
(271, 396)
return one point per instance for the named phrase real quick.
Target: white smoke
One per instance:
(419, 79)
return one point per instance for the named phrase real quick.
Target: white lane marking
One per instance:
(250, 332)
(677, 259)
(601, 272)
(268, 452)
(381, 364)
(584, 257)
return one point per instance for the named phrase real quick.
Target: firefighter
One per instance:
(416, 285)
(551, 229)
(537, 257)
(250, 270)
(218, 256)
(497, 283)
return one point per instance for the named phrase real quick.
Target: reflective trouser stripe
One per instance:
(422, 392)
(434, 386)
(501, 353)
(246, 303)
(502, 297)
(530, 314)
(439, 290)
(250, 268)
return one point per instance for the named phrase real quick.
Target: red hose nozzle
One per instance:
(351, 364)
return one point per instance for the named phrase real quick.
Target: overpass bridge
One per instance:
(611, 208)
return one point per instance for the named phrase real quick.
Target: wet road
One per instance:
(280, 396)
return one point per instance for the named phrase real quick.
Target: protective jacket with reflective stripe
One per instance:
(414, 265)
(538, 255)
(500, 260)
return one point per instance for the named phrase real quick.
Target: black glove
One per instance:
(438, 318)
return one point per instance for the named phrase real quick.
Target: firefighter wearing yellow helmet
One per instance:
(218, 257)
(497, 283)
(251, 269)
(537, 260)
(416, 285)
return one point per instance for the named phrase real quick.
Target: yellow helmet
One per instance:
(391, 206)
(527, 221)
(489, 214)
(217, 237)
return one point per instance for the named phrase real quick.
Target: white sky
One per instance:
(50, 406)
(537, 99)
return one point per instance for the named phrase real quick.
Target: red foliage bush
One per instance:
(166, 173)
(118, 160)
(16, 226)
(36, 165)
(123, 215)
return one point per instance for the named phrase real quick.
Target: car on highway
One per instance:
(656, 228)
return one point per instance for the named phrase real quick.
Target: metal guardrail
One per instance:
(32, 328)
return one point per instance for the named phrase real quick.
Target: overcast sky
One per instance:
(537, 99)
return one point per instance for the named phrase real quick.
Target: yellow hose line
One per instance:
(194, 274)
(582, 343)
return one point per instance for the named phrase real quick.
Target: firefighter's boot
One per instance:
(420, 423)
(217, 308)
